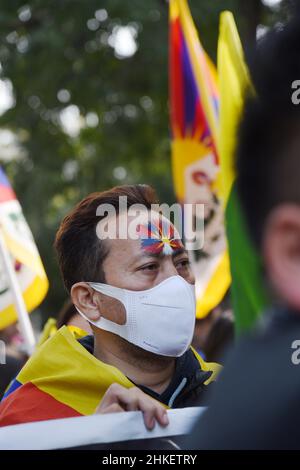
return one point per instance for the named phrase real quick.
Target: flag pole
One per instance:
(23, 317)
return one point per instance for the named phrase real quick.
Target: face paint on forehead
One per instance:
(158, 236)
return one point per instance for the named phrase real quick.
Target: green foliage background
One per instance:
(54, 50)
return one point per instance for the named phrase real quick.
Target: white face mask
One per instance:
(160, 320)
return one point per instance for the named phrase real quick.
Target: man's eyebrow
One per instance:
(146, 254)
(180, 251)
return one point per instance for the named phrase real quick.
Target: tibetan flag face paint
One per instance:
(159, 236)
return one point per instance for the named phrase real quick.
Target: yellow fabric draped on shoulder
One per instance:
(64, 369)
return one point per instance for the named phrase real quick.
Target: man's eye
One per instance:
(185, 263)
(149, 267)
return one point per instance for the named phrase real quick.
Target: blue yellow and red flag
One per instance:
(63, 379)
(194, 117)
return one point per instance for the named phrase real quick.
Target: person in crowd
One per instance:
(220, 338)
(69, 316)
(8, 371)
(13, 340)
(256, 401)
(203, 327)
(214, 333)
(135, 287)
(14, 358)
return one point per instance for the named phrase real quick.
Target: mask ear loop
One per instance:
(115, 293)
(82, 314)
(105, 289)
(111, 291)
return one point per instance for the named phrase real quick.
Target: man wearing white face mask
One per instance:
(137, 292)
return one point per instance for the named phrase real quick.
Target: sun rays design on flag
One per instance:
(159, 237)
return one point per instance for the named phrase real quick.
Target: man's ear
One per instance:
(84, 298)
(281, 252)
(95, 304)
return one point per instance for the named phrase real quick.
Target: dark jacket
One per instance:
(189, 386)
(256, 403)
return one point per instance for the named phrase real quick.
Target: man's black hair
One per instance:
(268, 149)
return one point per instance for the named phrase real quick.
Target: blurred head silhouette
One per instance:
(268, 160)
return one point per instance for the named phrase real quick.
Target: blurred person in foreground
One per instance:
(256, 402)
(137, 293)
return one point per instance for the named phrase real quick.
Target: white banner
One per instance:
(95, 429)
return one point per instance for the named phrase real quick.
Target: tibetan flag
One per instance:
(248, 295)
(194, 120)
(63, 379)
(25, 257)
